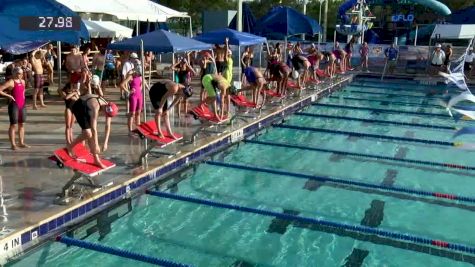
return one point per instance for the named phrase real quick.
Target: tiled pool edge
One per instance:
(25, 238)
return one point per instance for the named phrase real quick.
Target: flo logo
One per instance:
(402, 18)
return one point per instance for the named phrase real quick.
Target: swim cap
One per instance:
(111, 109)
(96, 81)
(188, 91)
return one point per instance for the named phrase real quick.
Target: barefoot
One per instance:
(43, 105)
(24, 146)
(69, 149)
(99, 164)
(14, 147)
(35, 108)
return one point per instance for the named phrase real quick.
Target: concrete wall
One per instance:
(214, 20)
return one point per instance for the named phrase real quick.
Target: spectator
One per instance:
(448, 57)
(364, 52)
(50, 57)
(109, 68)
(391, 53)
(469, 59)
(437, 59)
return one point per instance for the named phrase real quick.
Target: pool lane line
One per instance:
(390, 95)
(332, 224)
(117, 252)
(368, 135)
(442, 127)
(441, 115)
(363, 155)
(347, 181)
(395, 103)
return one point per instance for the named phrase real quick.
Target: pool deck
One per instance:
(31, 181)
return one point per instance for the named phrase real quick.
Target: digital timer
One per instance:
(50, 23)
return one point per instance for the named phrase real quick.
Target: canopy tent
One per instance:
(141, 10)
(138, 10)
(281, 22)
(463, 16)
(107, 29)
(454, 31)
(248, 19)
(160, 42)
(12, 10)
(23, 47)
(235, 37)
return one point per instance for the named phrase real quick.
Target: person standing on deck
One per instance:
(221, 54)
(392, 54)
(75, 65)
(37, 62)
(16, 107)
(364, 52)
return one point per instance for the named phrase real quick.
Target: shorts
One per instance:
(221, 66)
(156, 93)
(17, 115)
(135, 103)
(207, 82)
(109, 74)
(81, 113)
(75, 77)
(467, 66)
(38, 81)
(69, 104)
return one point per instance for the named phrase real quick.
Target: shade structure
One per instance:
(248, 19)
(281, 22)
(235, 37)
(454, 31)
(23, 47)
(160, 41)
(107, 29)
(12, 10)
(463, 16)
(141, 10)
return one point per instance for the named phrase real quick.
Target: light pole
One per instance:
(305, 2)
(320, 22)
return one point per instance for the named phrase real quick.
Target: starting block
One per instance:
(84, 168)
(149, 131)
(209, 120)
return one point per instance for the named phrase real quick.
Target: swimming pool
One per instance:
(359, 134)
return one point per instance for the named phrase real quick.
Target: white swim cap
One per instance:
(96, 81)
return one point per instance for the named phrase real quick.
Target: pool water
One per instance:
(207, 236)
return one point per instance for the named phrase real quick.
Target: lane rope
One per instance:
(443, 115)
(376, 121)
(377, 136)
(345, 181)
(395, 103)
(327, 223)
(363, 155)
(117, 252)
(389, 95)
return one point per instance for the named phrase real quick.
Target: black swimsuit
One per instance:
(156, 93)
(81, 112)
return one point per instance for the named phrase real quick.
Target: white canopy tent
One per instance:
(136, 10)
(107, 29)
(453, 31)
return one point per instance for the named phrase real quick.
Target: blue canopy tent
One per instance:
(281, 22)
(248, 19)
(159, 41)
(12, 10)
(463, 16)
(14, 39)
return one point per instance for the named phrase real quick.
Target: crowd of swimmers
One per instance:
(84, 93)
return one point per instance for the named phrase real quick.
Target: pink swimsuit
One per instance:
(135, 98)
(17, 108)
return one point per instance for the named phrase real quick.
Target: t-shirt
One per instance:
(438, 58)
(391, 53)
(128, 66)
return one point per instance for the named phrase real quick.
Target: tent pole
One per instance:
(191, 29)
(417, 32)
(239, 65)
(137, 27)
(59, 64)
(260, 56)
(284, 56)
(143, 81)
